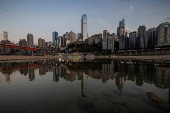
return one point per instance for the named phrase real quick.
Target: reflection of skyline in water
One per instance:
(70, 71)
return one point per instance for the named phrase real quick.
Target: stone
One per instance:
(155, 98)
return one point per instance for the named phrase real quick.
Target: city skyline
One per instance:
(18, 19)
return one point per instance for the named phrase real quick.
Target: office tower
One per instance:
(132, 39)
(41, 43)
(58, 41)
(121, 28)
(30, 40)
(118, 32)
(151, 37)
(5, 33)
(121, 34)
(141, 36)
(55, 35)
(141, 30)
(164, 34)
(104, 34)
(84, 27)
(72, 37)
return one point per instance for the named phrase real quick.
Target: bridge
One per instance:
(19, 47)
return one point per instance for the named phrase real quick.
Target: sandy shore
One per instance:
(158, 58)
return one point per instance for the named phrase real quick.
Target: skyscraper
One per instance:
(55, 35)
(141, 36)
(30, 40)
(164, 34)
(58, 41)
(132, 39)
(5, 33)
(84, 27)
(141, 30)
(121, 34)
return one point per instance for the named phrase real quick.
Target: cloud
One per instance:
(167, 19)
(101, 21)
(153, 14)
(130, 8)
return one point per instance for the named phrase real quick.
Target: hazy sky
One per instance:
(42, 17)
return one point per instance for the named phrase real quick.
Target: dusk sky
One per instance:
(42, 17)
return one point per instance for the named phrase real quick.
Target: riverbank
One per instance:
(153, 58)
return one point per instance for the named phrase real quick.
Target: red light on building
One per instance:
(4, 31)
(126, 30)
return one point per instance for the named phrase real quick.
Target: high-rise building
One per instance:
(104, 34)
(30, 40)
(55, 35)
(122, 27)
(41, 43)
(110, 43)
(5, 50)
(118, 32)
(22, 42)
(141, 30)
(84, 27)
(58, 41)
(164, 34)
(78, 35)
(91, 40)
(72, 37)
(141, 36)
(121, 34)
(132, 39)
(127, 33)
(151, 37)
(65, 35)
(63, 42)
(5, 33)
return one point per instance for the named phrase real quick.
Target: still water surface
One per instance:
(106, 86)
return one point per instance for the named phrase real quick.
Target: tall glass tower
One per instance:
(55, 36)
(84, 27)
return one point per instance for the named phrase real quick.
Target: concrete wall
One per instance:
(146, 52)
